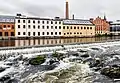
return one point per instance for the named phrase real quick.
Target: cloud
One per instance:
(51, 8)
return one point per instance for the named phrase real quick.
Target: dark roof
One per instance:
(7, 18)
(37, 18)
(77, 22)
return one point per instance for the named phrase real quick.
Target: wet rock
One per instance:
(37, 61)
(95, 48)
(76, 54)
(85, 55)
(53, 61)
(13, 81)
(4, 78)
(59, 56)
(2, 69)
(111, 71)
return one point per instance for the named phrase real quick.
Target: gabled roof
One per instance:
(77, 22)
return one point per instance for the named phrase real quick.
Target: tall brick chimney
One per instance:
(67, 10)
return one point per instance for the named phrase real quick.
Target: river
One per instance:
(77, 66)
(31, 42)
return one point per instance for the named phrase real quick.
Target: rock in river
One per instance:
(111, 71)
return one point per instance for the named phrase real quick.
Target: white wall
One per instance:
(36, 30)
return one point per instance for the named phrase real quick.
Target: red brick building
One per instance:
(7, 26)
(102, 27)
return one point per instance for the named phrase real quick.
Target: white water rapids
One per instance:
(69, 70)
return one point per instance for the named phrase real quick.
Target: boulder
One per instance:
(111, 71)
(38, 60)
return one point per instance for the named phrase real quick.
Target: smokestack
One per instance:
(67, 10)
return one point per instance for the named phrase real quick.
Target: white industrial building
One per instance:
(37, 27)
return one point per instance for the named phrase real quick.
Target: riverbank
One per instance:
(24, 44)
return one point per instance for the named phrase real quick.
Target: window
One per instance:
(12, 34)
(18, 21)
(34, 21)
(74, 27)
(47, 33)
(90, 27)
(80, 33)
(64, 33)
(23, 21)
(38, 21)
(56, 22)
(74, 33)
(47, 22)
(59, 33)
(67, 27)
(81, 27)
(23, 26)
(8, 25)
(43, 33)
(13, 27)
(87, 27)
(51, 22)
(71, 27)
(38, 33)
(67, 32)
(18, 26)
(47, 27)
(51, 27)
(38, 27)
(51, 33)
(6, 33)
(55, 27)
(0, 33)
(23, 33)
(18, 33)
(0, 26)
(33, 26)
(63, 27)
(59, 27)
(55, 33)
(77, 27)
(59, 22)
(28, 21)
(33, 33)
(77, 33)
(43, 27)
(29, 26)
(84, 27)
(4, 26)
(43, 22)
(28, 33)
(70, 32)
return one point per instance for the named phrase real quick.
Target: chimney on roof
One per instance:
(91, 19)
(73, 17)
(18, 14)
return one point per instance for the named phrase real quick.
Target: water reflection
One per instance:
(17, 43)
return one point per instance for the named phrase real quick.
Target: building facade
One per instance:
(38, 27)
(102, 27)
(7, 26)
(78, 28)
(115, 28)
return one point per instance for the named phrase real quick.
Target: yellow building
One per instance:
(78, 28)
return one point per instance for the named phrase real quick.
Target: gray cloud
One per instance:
(51, 8)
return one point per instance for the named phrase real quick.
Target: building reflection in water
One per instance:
(31, 42)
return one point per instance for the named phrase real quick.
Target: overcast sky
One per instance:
(83, 9)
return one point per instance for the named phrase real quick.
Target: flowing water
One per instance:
(73, 68)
